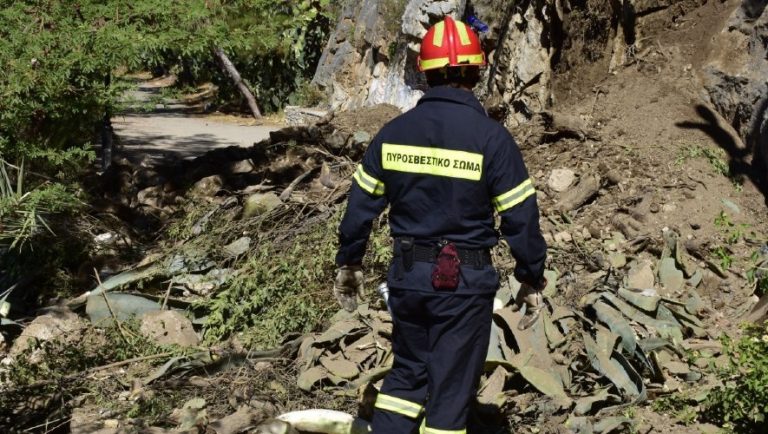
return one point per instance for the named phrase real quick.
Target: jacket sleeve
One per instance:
(366, 201)
(514, 198)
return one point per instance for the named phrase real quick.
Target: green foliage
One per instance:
(52, 361)
(24, 212)
(58, 56)
(307, 94)
(723, 256)
(59, 368)
(716, 159)
(62, 63)
(285, 286)
(732, 233)
(741, 402)
(681, 405)
(757, 272)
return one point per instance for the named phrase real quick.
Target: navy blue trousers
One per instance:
(439, 341)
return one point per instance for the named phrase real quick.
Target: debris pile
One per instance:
(626, 342)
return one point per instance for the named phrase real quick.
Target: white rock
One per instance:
(169, 327)
(48, 327)
(561, 179)
(260, 203)
(563, 237)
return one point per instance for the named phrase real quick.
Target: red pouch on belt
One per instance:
(445, 273)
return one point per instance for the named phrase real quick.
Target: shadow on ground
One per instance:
(740, 164)
(185, 147)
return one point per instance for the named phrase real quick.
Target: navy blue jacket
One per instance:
(444, 167)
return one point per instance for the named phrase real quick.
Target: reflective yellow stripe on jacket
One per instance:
(428, 430)
(368, 182)
(398, 405)
(432, 161)
(515, 196)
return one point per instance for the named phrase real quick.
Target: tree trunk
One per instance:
(107, 144)
(227, 65)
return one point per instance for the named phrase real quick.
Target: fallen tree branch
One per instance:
(230, 69)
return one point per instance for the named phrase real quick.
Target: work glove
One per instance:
(533, 300)
(348, 285)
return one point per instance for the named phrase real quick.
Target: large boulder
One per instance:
(169, 327)
(519, 41)
(363, 63)
(736, 75)
(371, 58)
(60, 323)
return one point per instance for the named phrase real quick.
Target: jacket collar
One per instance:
(452, 94)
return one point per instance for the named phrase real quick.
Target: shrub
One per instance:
(742, 399)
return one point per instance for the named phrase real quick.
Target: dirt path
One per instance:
(177, 129)
(186, 135)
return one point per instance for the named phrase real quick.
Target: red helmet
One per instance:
(450, 43)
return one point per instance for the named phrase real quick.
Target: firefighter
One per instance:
(443, 168)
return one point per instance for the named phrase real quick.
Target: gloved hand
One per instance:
(348, 285)
(533, 300)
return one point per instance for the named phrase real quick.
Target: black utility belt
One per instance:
(477, 258)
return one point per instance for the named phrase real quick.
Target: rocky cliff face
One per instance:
(371, 58)
(736, 76)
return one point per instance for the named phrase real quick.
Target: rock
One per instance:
(617, 260)
(340, 367)
(89, 420)
(149, 178)
(274, 426)
(677, 368)
(707, 428)
(561, 179)
(237, 247)
(548, 238)
(551, 288)
(734, 77)
(640, 276)
(242, 166)
(563, 237)
(370, 57)
(337, 140)
(360, 138)
(204, 284)
(296, 116)
(522, 56)
(364, 60)
(151, 197)
(565, 125)
(703, 362)
(208, 186)
(236, 422)
(169, 327)
(62, 323)
(287, 134)
(731, 206)
(579, 195)
(670, 277)
(260, 203)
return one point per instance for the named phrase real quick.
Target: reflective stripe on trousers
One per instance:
(439, 341)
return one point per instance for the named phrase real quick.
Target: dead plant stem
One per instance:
(112, 312)
(167, 294)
